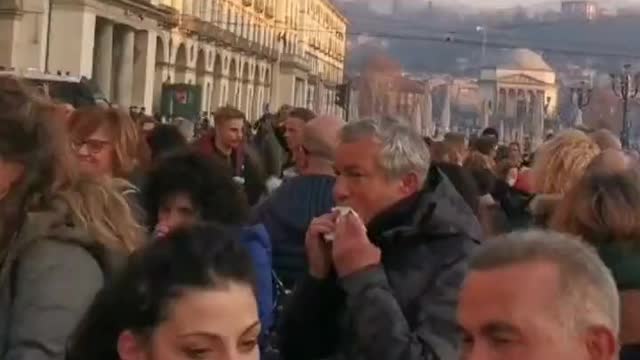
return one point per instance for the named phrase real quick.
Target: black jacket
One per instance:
(404, 308)
(287, 214)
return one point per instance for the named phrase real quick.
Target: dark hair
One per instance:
(303, 114)
(202, 257)
(491, 132)
(165, 139)
(486, 144)
(502, 153)
(207, 181)
(32, 135)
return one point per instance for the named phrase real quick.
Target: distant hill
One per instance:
(616, 35)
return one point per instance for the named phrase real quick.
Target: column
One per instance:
(72, 36)
(144, 68)
(103, 56)
(124, 75)
(9, 28)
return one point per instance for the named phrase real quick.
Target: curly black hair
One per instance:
(138, 297)
(165, 138)
(207, 181)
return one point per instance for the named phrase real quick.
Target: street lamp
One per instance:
(484, 42)
(625, 86)
(581, 95)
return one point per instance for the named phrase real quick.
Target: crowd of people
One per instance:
(302, 237)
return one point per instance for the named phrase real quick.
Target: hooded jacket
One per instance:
(49, 276)
(287, 214)
(403, 308)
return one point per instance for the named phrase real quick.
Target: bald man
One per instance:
(318, 146)
(288, 211)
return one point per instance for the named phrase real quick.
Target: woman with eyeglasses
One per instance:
(106, 142)
(62, 235)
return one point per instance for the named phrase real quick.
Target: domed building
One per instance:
(519, 92)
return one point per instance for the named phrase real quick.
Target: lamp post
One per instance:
(581, 95)
(626, 86)
(483, 30)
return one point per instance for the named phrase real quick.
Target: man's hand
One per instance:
(318, 250)
(352, 251)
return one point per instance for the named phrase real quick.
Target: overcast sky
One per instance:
(511, 3)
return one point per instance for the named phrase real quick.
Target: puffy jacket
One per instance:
(256, 240)
(48, 278)
(404, 308)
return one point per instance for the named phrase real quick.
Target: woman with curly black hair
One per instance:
(188, 188)
(190, 297)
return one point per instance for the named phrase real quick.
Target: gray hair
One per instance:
(403, 150)
(588, 292)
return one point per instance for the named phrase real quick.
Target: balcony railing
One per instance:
(295, 61)
(270, 12)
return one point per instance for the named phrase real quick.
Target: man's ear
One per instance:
(410, 183)
(602, 343)
(130, 347)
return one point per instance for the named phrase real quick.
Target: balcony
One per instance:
(272, 54)
(191, 24)
(270, 12)
(171, 18)
(259, 6)
(295, 61)
(247, 2)
(244, 45)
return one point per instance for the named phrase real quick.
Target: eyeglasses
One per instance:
(94, 146)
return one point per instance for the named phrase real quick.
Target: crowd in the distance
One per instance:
(302, 237)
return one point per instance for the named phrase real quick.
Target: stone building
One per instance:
(247, 53)
(383, 89)
(511, 90)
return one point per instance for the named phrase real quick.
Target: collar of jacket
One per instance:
(438, 210)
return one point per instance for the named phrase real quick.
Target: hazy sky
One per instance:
(511, 3)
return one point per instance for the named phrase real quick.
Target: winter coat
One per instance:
(403, 308)
(244, 163)
(49, 276)
(287, 214)
(256, 241)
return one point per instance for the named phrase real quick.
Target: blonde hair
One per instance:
(123, 132)
(604, 206)
(99, 207)
(33, 136)
(561, 162)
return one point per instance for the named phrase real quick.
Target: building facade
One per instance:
(512, 90)
(580, 10)
(247, 53)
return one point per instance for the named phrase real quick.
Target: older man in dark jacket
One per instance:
(387, 290)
